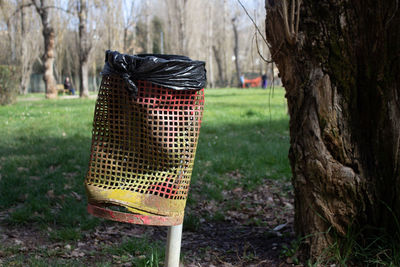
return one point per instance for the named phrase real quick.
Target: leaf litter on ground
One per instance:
(254, 226)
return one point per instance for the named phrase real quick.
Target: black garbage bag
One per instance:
(171, 71)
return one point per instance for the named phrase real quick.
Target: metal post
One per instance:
(173, 251)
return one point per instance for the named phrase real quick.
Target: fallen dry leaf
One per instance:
(22, 169)
(76, 196)
(50, 194)
(67, 186)
(76, 253)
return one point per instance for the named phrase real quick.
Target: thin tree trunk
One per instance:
(210, 44)
(26, 66)
(84, 79)
(217, 56)
(225, 44)
(149, 42)
(84, 49)
(169, 35)
(94, 76)
(341, 75)
(236, 51)
(125, 39)
(11, 39)
(181, 11)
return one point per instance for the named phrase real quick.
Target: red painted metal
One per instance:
(119, 216)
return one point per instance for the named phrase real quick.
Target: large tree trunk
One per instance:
(85, 48)
(340, 68)
(49, 38)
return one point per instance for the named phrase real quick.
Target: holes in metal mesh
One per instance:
(146, 145)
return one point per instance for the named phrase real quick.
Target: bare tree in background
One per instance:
(148, 42)
(130, 19)
(66, 61)
(5, 7)
(236, 49)
(222, 42)
(85, 47)
(28, 49)
(22, 39)
(111, 24)
(210, 45)
(198, 29)
(42, 7)
(177, 19)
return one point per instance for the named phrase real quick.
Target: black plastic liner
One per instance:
(172, 71)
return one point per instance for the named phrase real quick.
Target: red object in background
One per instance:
(256, 82)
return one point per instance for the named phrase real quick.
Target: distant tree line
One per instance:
(69, 38)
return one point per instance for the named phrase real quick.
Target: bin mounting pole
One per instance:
(173, 250)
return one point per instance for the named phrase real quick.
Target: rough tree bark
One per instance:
(339, 63)
(42, 9)
(85, 47)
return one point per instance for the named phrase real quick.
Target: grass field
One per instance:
(44, 153)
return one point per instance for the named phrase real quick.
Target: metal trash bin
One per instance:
(146, 127)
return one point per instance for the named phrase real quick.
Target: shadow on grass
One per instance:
(42, 181)
(42, 177)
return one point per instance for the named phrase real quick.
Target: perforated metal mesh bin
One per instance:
(142, 153)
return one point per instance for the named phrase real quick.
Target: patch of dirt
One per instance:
(227, 244)
(256, 225)
(250, 232)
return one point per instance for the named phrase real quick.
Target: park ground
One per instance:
(240, 206)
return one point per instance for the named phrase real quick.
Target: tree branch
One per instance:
(18, 9)
(254, 23)
(285, 18)
(258, 51)
(298, 18)
(292, 17)
(265, 41)
(59, 8)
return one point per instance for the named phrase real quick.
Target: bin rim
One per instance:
(164, 56)
(172, 71)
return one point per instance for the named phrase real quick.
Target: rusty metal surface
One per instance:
(143, 150)
(118, 216)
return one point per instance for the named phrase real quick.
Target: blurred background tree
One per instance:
(75, 34)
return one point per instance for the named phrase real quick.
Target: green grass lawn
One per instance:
(244, 131)
(45, 145)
